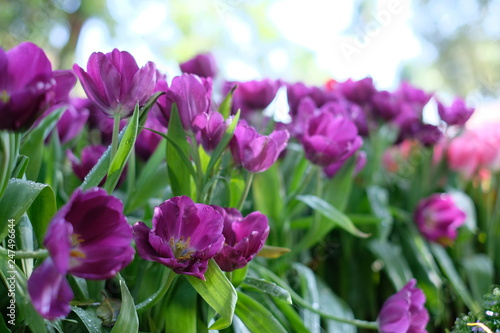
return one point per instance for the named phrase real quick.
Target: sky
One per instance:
(341, 48)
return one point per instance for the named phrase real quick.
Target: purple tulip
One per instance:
(202, 65)
(456, 114)
(90, 238)
(438, 218)
(332, 169)
(359, 92)
(148, 141)
(404, 312)
(245, 237)
(184, 237)
(89, 157)
(255, 152)
(162, 108)
(28, 86)
(428, 135)
(386, 105)
(253, 95)
(415, 96)
(211, 128)
(114, 82)
(297, 91)
(330, 139)
(73, 119)
(50, 291)
(192, 96)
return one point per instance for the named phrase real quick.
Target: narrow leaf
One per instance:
(269, 288)
(128, 321)
(218, 292)
(255, 316)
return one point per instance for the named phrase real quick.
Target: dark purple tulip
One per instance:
(332, 169)
(306, 109)
(297, 91)
(438, 218)
(359, 92)
(114, 82)
(386, 105)
(404, 312)
(162, 108)
(456, 114)
(330, 139)
(50, 291)
(89, 157)
(245, 237)
(202, 65)
(89, 237)
(184, 237)
(211, 128)
(254, 95)
(73, 119)
(192, 95)
(255, 152)
(148, 141)
(350, 110)
(410, 94)
(28, 86)
(428, 135)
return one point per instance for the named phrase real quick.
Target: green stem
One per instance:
(195, 153)
(248, 184)
(117, 117)
(156, 297)
(39, 254)
(300, 301)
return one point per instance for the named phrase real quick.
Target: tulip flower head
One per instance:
(330, 139)
(255, 152)
(456, 114)
(89, 238)
(404, 312)
(245, 237)
(28, 86)
(438, 218)
(184, 237)
(115, 83)
(202, 65)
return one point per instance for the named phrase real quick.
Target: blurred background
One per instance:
(449, 46)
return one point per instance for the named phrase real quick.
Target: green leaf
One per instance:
(332, 218)
(33, 143)
(177, 155)
(27, 196)
(330, 303)
(21, 166)
(269, 288)
(3, 325)
(338, 189)
(143, 112)
(310, 294)
(451, 273)
(480, 272)
(394, 263)
(125, 147)
(23, 303)
(268, 194)
(225, 106)
(127, 321)
(236, 188)
(153, 180)
(379, 204)
(218, 292)
(89, 319)
(239, 275)
(255, 316)
(180, 312)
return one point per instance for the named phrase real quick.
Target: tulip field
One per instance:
(193, 203)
